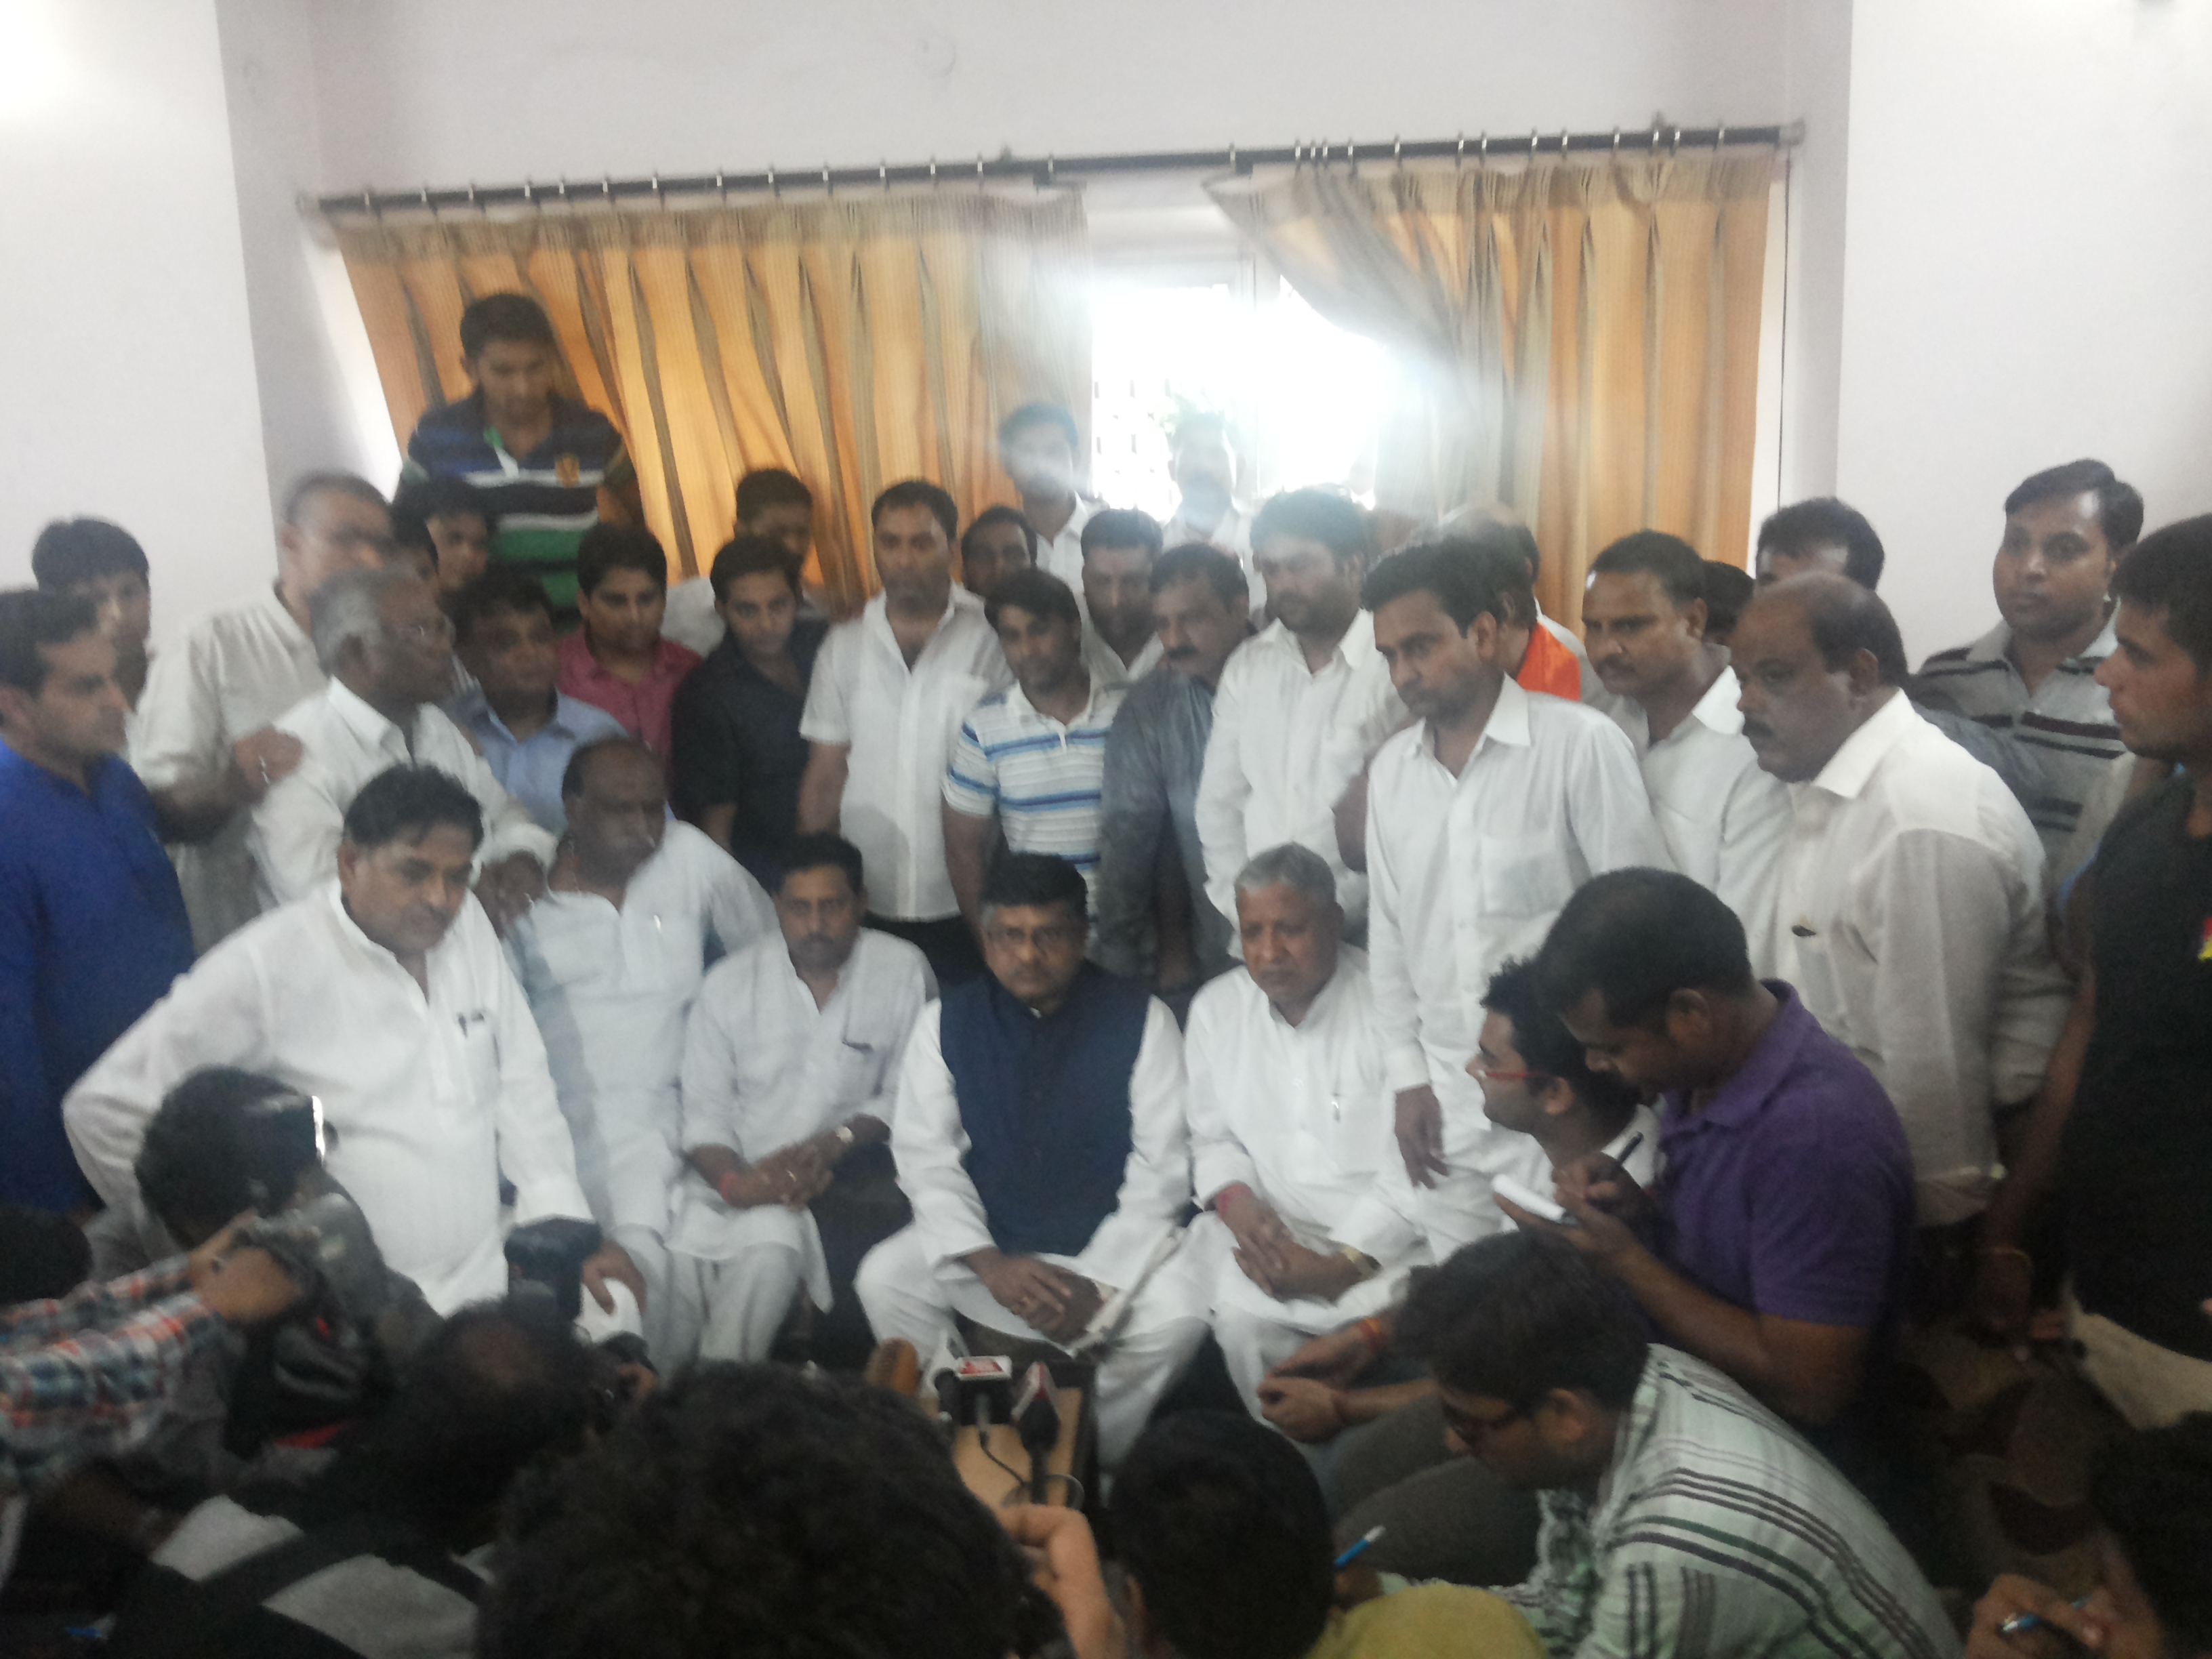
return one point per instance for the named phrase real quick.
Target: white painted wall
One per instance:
(445, 90)
(126, 363)
(2029, 261)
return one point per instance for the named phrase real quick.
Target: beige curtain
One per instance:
(1577, 341)
(854, 342)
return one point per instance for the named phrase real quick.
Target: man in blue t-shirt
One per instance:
(92, 921)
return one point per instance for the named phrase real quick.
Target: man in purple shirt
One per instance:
(1776, 1242)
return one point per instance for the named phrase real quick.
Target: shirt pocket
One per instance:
(1524, 875)
(1363, 1127)
(480, 1050)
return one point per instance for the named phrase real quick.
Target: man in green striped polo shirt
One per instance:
(1681, 1518)
(541, 459)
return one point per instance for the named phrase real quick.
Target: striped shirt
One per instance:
(545, 500)
(2067, 720)
(1042, 778)
(1717, 1531)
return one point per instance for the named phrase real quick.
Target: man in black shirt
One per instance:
(738, 755)
(2123, 1130)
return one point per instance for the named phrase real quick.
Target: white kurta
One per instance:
(764, 1068)
(1105, 663)
(1909, 916)
(1723, 819)
(931, 1146)
(431, 1097)
(299, 824)
(1286, 745)
(233, 673)
(1520, 1159)
(1301, 1115)
(898, 725)
(912, 1283)
(1232, 534)
(612, 991)
(1472, 871)
(1062, 555)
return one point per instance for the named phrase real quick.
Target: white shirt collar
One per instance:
(1717, 710)
(1355, 648)
(1850, 766)
(372, 728)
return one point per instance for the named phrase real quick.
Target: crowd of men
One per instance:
(1598, 1054)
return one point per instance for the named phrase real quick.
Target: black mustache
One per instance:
(1754, 730)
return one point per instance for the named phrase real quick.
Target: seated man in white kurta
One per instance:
(792, 1052)
(1039, 1134)
(383, 995)
(1291, 1127)
(611, 959)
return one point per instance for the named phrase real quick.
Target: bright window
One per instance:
(1304, 398)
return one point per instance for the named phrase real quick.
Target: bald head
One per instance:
(1817, 656)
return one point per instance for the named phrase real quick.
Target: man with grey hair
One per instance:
(206, 745)
(1291, 1127)
(387, 649)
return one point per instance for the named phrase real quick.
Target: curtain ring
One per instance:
(1563, 144)
(657, 195)
(773, 189)
(1482, 154)
(1352, 153)
(1655, 139)
(530, 195)
(427, 203)
(607, 188)
(1458, 153)
(1720, 138)
(1616, 143)
(475, 203)
(1532, 143)
(1052, 179)
(979, 169)
(1232, 156)
(564, 190)
(1397, 151)
(1676, 148)
(721, 188)
(828, 188)
(883, 176)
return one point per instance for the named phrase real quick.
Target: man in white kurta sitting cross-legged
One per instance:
(792, 1055)
(611, 959)
(385, 996)
(1291, 1127)
(1040, 1138)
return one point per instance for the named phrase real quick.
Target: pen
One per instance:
(1359, 1548)
(2021, 1623)
(1629, 1151)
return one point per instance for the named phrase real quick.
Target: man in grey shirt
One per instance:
(1155, 921)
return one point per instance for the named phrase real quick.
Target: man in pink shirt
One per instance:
(617, 660)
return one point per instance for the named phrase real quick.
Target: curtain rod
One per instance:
(1051, 169)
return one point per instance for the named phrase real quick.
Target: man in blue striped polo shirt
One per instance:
(1031, 758)
(540, 460)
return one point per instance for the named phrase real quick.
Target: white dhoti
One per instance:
(908, 1297)
(741, 1270)
(1257, 1331)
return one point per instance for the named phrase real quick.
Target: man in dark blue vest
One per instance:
(1039, 1134)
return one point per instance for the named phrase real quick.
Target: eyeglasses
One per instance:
(422, 633)
(1471, 1429)
(1491, 1073)
(1051, 936)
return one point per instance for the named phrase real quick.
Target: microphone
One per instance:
(1036, 1422)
